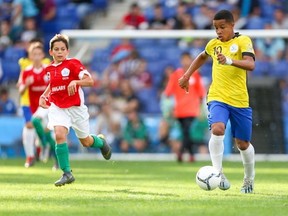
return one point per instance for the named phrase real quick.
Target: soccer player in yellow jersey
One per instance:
(227, 99)
(28, 134)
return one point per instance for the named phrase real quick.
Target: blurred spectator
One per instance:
(176, 22)
(84, 9)
(108, 122)
(203, 19)
(5, 35)
(135, 136)
(187, 104)
(280, 20)
(23, 9)
(7, 105)
(158, 20)
(134, 19)
(240, 21)
(122, 50)
(6, 9)
(93, 103)
(247, 6)
(47, 10)
(29, 32)
(112, 77)
(169, 132)
(141, 78)
(187, 22)
(255, 19)
(130, 101)
(269, 49)
(130, 64)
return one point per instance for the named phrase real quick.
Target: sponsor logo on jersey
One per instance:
(58, 88)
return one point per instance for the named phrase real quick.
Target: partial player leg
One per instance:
(216, 149)
(248, 159)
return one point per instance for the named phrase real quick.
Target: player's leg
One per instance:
(217, 119)
(241, 124)
(60, 120)
(187, 141)
(81, 128)
(62, 153)
(28, 138)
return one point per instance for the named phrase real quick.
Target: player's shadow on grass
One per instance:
(128, 191)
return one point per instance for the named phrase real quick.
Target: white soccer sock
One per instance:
(248, 159)
(216, 149)
(28, 141)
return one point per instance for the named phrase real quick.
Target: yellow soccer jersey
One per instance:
(24, 63)
(229, 83)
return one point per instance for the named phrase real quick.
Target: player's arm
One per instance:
(26, 82)
(85, 81)
(43, 100)
(246, 63)
(197, 63)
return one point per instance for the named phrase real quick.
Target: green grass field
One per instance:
(138, 188)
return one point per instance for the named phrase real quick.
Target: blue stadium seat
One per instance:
(11, 135)
(140, 43)
(167, 42)
(262, 68)
(255, 23)
(150, 53)
(149, 101)
(279, 69)
(13, 53)
(169, 12)
(11, 71)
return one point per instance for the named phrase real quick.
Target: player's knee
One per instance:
(242, 145)
(218, 129)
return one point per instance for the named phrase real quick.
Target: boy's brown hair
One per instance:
(57, 38)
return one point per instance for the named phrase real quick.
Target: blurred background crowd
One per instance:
(127, 102)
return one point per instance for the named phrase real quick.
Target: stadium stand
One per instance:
(159, 53)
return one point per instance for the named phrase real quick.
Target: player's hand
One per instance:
(184, 83)
(72, 88)
(222, 59)
(44, 102)
(29, 81)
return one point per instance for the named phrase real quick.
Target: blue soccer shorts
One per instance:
(27, 113)
(240, 119)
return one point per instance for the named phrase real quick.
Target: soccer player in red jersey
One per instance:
(64, 99)
(35, 81)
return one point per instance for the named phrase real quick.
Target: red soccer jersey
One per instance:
(60, 75)
(186, 105)
(36, 89)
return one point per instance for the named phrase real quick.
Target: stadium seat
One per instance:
(150, 53)
(255, 23)
(13, 53)
(11, 136)
(140, 43)
(11, 71)
(279, 69)
(149, 102)
(262, 68)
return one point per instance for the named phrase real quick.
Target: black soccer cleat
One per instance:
(106, 150)
(66, 178)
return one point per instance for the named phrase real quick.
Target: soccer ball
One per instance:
(208, 178)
